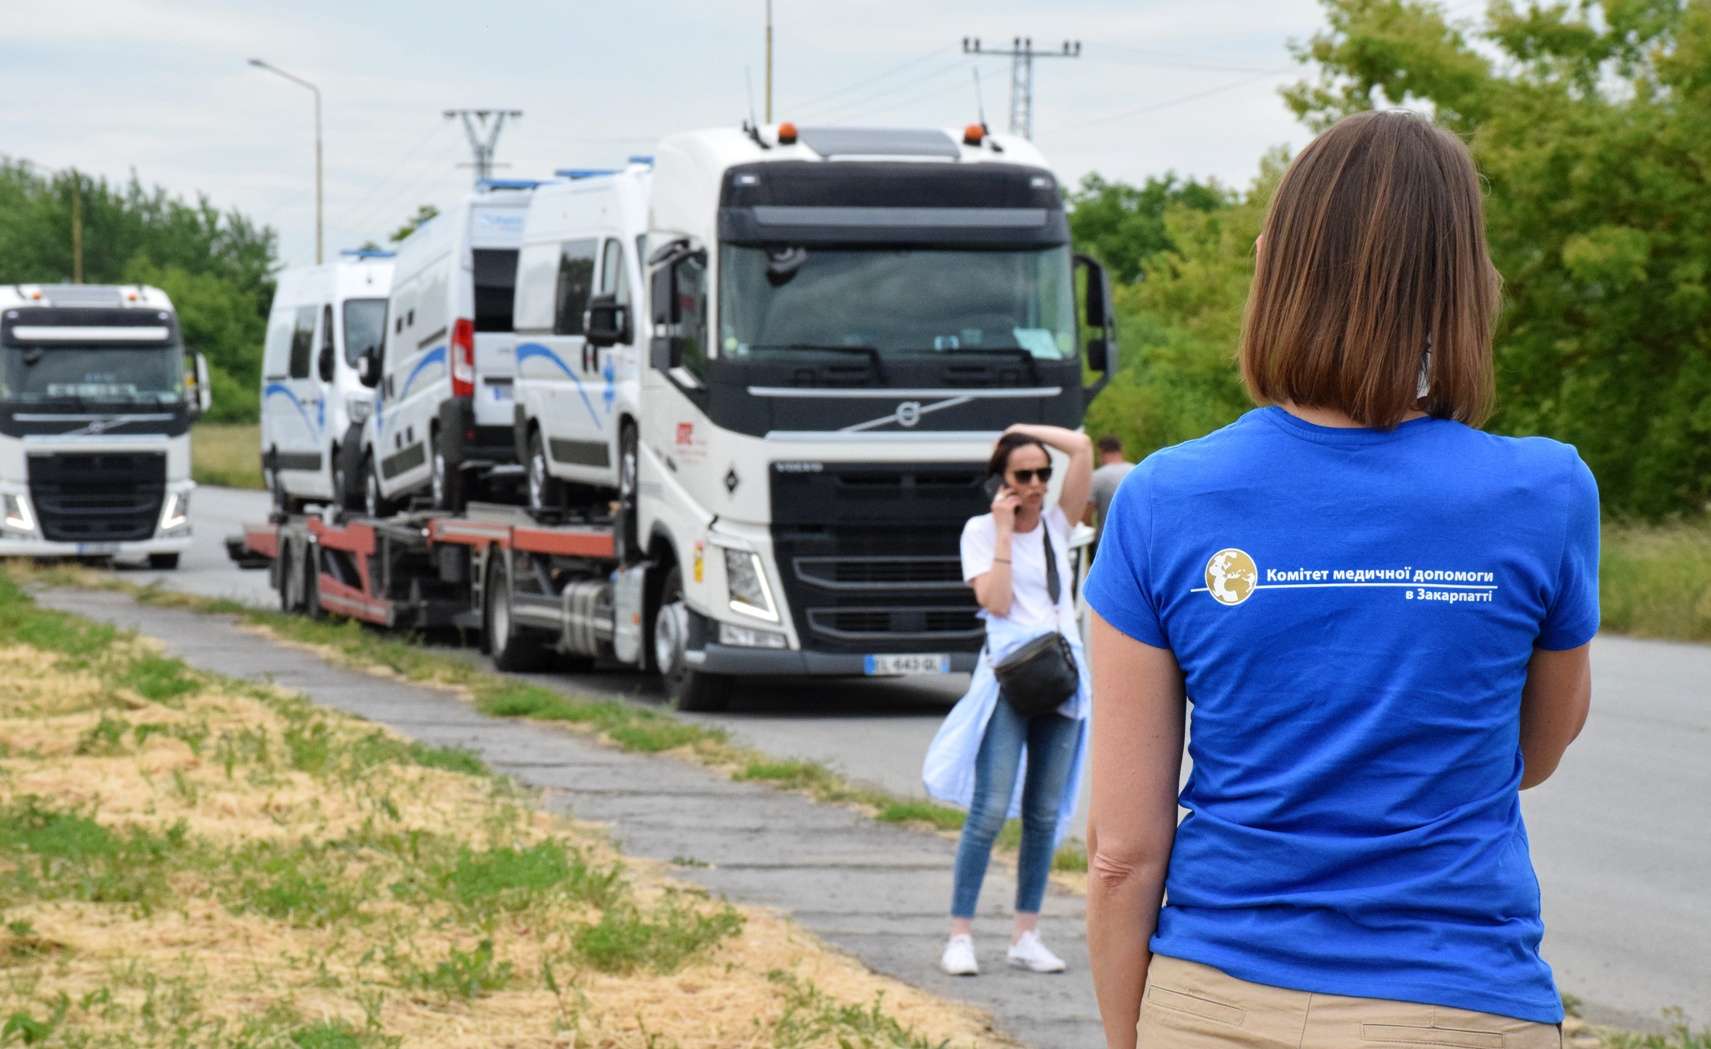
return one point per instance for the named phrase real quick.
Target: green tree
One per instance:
(424, 213)
(216, 266)
(1122, 224)
(1592, 125)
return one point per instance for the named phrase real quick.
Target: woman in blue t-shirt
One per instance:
(1380, 615)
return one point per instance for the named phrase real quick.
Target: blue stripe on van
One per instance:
(437, 355)
(276, 389)
(534, 349)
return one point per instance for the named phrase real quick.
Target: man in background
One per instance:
(1110, 473)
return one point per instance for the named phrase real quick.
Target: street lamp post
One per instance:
(259, 64)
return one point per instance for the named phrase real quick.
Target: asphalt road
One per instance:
(1621, 836)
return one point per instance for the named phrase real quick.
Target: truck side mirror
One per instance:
(368, 368)
(607, 322)
(324, 363)
(204, 399)
(1097, 313)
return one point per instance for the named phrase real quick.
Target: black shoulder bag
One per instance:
(1040, 675)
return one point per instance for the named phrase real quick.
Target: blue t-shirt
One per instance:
(1353, 611)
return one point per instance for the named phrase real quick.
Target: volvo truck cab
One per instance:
(97, 394)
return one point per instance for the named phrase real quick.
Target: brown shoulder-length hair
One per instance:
(1374, 254)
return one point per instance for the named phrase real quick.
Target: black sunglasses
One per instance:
(1044, 473)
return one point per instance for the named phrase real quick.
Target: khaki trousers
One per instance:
(1193, 1006)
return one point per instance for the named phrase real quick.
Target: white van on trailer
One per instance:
(313, 403)
(584, 242)
(442, 408)
(96, 401)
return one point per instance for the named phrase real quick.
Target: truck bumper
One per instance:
(16, 547)
(739, 661)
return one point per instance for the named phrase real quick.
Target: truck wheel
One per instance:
(546, 492)
(289, 581)
(164, 562)
(374, 502)
(447, 478)
(688, 690)
(511, 648)
(312, 584)
(628, 528)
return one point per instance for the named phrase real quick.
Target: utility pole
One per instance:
(76, 227)
(482, 127)
(768, 61)
(1021, 55)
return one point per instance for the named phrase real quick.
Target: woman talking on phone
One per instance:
(1027, 705)
(1380, 615)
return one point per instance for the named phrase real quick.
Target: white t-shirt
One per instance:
(1030, 599)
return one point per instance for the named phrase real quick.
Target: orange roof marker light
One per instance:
(787, 134)
(973, 134)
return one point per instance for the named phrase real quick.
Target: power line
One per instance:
(866, 101)
(1180, 99)
(482, 128)
(375, 190)
(815, 100)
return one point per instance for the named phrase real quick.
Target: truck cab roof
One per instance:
(84, 296)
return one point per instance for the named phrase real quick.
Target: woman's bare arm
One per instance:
(1554, 705)
(1139, 710)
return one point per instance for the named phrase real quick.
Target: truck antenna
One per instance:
(748, 78)
(980, 101)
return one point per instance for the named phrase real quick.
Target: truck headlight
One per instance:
(15, 514)
(745, 579)
(358, 408)
(175, 513)
(749, 637)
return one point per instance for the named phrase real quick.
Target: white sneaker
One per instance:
(958, 959)
(1030, 954)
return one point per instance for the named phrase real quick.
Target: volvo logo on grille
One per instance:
(96, 426)
(908, 413)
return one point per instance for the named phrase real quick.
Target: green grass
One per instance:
(53, 853)
(226, 454)
(1655, 580)
(813, 1018)
(661, 938)
(1681, 1036)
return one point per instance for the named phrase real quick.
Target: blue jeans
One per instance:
(1050, 741)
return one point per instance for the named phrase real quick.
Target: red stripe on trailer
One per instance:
(263, 540)
(348, 600)
(351, 537)
(565, 542)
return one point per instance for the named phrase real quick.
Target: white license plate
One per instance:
(910, 663)
(97, 549)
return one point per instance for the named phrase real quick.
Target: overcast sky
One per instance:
(162, 86)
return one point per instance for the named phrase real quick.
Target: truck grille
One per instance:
(954, 627)
(868, 573)
(97, 497)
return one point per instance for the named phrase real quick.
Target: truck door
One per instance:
(416, 380)
(298, 437)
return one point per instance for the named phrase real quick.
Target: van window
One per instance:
(537, 280)
(278, 348)
(327, 334)
(575, 284)
(365, 327)
(302, 342)
(495, 287)
(614, 277)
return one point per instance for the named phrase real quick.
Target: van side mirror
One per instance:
(607, 322)
(368, 368)
(324, 363)
(204, 394)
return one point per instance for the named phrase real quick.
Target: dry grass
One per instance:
(226, 454)
(190, 861)
(1655, 580)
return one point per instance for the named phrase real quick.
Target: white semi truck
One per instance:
(97, 395)
(789, 430)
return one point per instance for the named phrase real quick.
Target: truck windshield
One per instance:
(365, 326)
(896, 300)
(59, 372)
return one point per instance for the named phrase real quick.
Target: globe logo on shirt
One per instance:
(1231, 576)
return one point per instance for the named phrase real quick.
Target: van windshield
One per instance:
(896, 300)
(106, 374)
(365, 327)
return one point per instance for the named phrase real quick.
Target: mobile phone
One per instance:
(994, 482)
